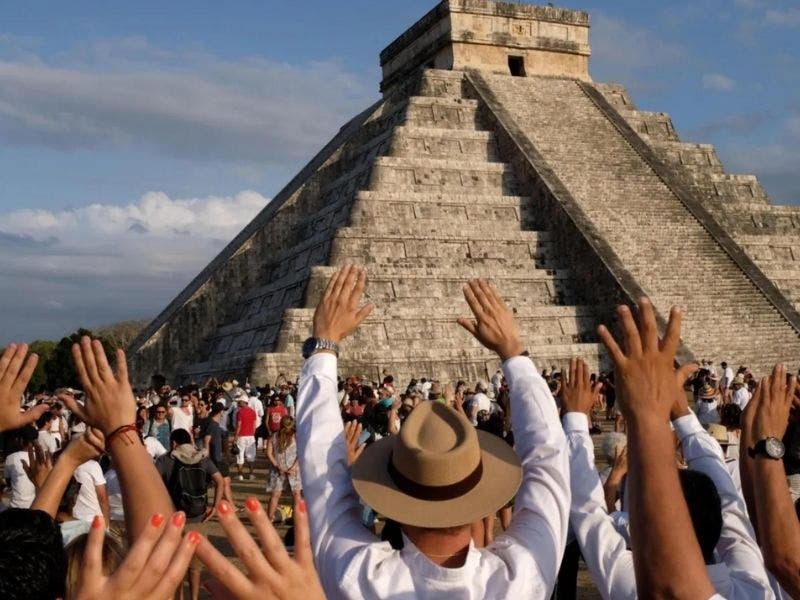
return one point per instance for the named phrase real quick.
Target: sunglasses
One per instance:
(161, 412)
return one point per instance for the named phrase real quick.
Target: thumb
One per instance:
(469, 325)
(93, 554)
(364, 312)
(684, 372)
(31, 415)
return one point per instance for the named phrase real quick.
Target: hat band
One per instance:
(434, 492)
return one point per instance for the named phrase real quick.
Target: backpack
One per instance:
(188, 488)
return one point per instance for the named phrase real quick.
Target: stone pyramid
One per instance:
(492, 153)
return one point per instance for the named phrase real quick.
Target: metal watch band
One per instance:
(323, 344)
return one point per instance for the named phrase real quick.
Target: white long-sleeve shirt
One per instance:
(740, 573)
(352, 563)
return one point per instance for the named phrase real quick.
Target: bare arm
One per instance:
(102, 499)
(777, 520)
(80, 449)
(111, 405)
(271, 454)
(666, 555)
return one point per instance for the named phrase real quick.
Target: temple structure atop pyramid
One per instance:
(492, 153)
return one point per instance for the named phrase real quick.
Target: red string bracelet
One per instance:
(123, 429)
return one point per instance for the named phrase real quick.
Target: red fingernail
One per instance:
(97, 523)
(178, 519)
(224, 508)
(252, 504)
(156, 520)
(301, 506)
(194, 538)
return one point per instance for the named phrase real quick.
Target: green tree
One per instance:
(60, 368)
(45, 349)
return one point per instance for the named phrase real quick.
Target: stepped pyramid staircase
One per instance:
(419, 196)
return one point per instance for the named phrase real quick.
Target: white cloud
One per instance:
(102, 263)
(127, 93)
(789, 17)
(718, 82)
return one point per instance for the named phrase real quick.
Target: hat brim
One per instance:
(502, 475)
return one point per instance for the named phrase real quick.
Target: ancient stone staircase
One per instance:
(663, 246)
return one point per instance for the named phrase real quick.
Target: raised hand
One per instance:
(645, 372)
(109, 398)
(578, 393)
(494, 325)
(271, 573)
(773, 400)
(39, 465)
(87, 446)
(352, 431)
(153, 568)
(15, 373)
(338, 313)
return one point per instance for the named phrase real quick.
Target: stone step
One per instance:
(441, 112)
(467, 196)
(400, 173)
(438, 82)
(452, 144)
(411, 208)
(450, 365)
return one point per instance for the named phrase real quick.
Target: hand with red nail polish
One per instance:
(271, 573)
(153, 568)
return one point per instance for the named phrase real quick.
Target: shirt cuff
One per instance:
(575, 421)
(518, 367)
(687, 425)
(321, 363)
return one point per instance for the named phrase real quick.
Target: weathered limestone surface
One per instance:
(556, 189)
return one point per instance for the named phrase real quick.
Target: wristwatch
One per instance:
(770, 447)
(313, 344)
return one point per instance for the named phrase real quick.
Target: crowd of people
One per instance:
(109, 486)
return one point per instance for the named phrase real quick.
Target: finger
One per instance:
(683, 374)
(271, 544)
(33, 414)
(672, 335)
(340, 283)
(74, 406)
(101, 360)
(582, 372)
(240, 540)
(92, 568)
(777, 388)
(472, 300)
(224, 570)
(364, 312)
(790, 388)
(302, 535)
(611, 345)
(10, 350)
(358, 288)
(80, 368)
(24, 377)
(349, 285)
(483, 295)
(332, 283)
(88, 360)
(95, 438)
(571, 371)
(170, 538)
(468, 324)
(141, 550)
(630, 333)
(649, 329)
(490, 295)
(12, 370)
(122, 366)
(178, 565)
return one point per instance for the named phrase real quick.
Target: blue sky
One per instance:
(137, 138)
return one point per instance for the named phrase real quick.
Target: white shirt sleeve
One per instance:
(334, 511)
(604, 549)
(541, 507)
(737, 547)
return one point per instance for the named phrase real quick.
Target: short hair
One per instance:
(44, 419)
(217, 408)
(705, 509)
(180, 436)
(723, 364)
(32, 560)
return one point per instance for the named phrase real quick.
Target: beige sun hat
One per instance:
(718, 432)
(438, 472)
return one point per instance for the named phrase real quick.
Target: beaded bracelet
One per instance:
(123, 429)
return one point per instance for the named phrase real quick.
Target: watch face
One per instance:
(309, 346)
(775, 448)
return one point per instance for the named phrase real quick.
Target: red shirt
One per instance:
(246, 418)
(274, 416)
